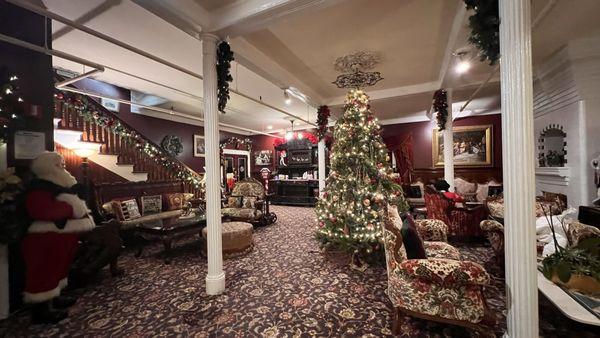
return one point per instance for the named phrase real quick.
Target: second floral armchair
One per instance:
(438, 289)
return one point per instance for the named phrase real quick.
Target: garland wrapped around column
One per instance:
(322, 121)
(11, 103)
(224, 58)
(440, 106)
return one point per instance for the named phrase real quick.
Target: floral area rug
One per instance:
(286, 287)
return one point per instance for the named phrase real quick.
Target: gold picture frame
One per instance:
(472, 146)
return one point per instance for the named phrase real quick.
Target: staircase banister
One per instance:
(102, 110)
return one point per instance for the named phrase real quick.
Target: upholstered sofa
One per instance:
(248, 202)
(165, 198)
(436, 288)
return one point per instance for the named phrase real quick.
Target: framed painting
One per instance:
(199, 148)
(472, 146)
(263, 157)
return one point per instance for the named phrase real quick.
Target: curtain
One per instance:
(404, 159)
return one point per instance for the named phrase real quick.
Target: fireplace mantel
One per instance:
(553, 175)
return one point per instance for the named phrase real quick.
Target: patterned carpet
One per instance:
(285, 288)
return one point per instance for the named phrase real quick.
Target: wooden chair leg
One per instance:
(396, 315)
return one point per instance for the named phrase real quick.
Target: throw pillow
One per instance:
(249, 202)
(151, 204)
(234, 201)
(411, 239)
(173, 201)
(126, 210)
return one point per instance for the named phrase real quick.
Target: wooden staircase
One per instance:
(81, 121)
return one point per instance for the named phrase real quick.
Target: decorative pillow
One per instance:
(411, 239)
(249, 202)
(126, 210)
(173, 201)
(151, 204)
(234, 201)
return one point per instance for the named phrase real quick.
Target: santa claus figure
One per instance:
(57, 218)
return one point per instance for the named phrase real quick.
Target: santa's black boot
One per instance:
(63, 302)
(42, 313)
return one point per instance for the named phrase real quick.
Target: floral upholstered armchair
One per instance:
(494, 232)
(248, 202)
(438, 289)
(462, 222)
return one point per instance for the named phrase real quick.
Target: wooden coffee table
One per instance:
(167, 229)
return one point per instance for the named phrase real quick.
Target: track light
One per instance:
(288, 99)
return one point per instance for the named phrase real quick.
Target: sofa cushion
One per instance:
(441, 250)
(411, 239)
(249, 214)
(173, 201)
(249, 202)
(234, 201)
(126, 210)
(151, 204)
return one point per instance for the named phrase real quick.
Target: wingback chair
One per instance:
(256, 212)
(462, 222)
(494, 231)
(438, 289)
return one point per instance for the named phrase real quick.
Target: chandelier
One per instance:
(354, 65)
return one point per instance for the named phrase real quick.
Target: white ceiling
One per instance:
(293, 43)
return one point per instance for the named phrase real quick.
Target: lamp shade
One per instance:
(84, 152)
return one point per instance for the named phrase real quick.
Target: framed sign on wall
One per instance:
(199, 148)
(472, 146)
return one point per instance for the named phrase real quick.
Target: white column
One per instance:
(215, 279)
(518, 168)
(449, 145)
(321, 155)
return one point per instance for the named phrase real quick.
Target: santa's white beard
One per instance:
(60, 177)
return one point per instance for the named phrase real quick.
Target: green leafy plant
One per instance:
(581, 259)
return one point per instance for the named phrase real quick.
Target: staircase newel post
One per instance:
(215, 278)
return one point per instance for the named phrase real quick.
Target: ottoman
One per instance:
(236, 237)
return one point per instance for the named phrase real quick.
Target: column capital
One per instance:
(209, 37)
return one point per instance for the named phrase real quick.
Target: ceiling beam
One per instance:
(458, 23)
(186, 15)
(242, 17)
(393, 92)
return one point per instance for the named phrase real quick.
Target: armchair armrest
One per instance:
(432, 230)
(445, 271)
(489, 225)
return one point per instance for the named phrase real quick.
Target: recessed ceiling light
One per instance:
(462, 67)
(269, 127)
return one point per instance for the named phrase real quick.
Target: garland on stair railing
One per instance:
(440, 106)
(485, 28)
(224, 58)
(87, 110)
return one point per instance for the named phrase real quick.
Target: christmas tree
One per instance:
(360, 182)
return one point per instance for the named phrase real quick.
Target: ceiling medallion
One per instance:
(354, 65)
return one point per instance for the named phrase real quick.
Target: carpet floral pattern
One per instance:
(286, 287)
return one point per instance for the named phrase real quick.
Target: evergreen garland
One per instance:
(11, 103)
(485, 29)
(440, 106)
(322, 121)
(224, 58)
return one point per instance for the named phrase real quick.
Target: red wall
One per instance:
(422, 153)
(153, 128)
(422, 149)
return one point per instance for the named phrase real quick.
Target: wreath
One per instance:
(485, 28)
(440, 105)
(322, 120)
(224, 58)
(172, 145)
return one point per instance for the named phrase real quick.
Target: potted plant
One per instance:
(576, 267)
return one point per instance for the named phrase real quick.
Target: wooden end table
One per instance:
(167, 229)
